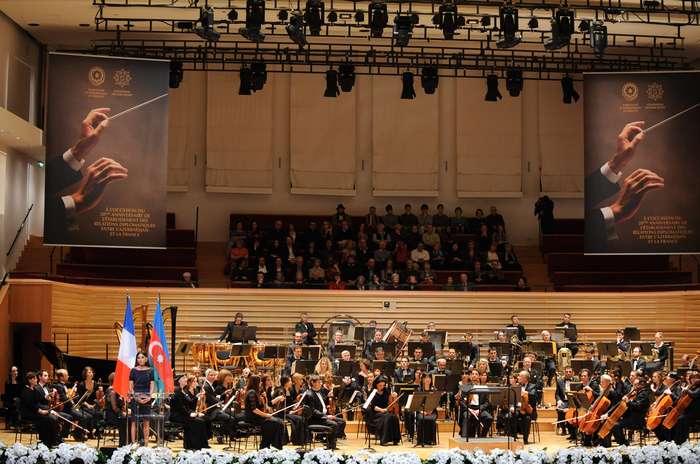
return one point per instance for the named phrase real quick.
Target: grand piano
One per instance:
(75, 364)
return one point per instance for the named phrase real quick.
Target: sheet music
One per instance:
(228, 403)
(408, 403)
(352, 398)
(369, 399)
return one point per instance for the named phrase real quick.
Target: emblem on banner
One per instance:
(630, 91)
(96, 76)
(122, 78)
(655, 91)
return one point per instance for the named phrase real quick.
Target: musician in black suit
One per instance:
(368, 352)
(215, 413)
(33, 407)
(290, 359)
(515, 324)
(563, 386)
(637, 363)
(337, 338)
(597, 365)
(75, 415)
(228, 332)
(634, 416)
(570, 343)
(441, 367)
(418, 357)
(307, 330)
(403, 374)
(425, 339)
(473, 351)
(588, 384)
(479, 406)
(524, 419)
(317, 403)
(622, 345)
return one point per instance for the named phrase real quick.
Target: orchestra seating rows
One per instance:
(569, 268)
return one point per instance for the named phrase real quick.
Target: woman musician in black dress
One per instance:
(293, 415)
(34, 408)
(387, 423)
(426, 432)
(256, 412)
(115, 413)
(87, 406)
(183, 410)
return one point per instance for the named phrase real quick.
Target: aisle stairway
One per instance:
(36, 257)
(534, 267)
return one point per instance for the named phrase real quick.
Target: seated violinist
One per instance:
(320, 414)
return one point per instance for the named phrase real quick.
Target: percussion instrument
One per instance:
(398, 333)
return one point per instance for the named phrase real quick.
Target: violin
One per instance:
(394, 405)
(525, 407)
(301, 406)
(55, 401)
(100, 394)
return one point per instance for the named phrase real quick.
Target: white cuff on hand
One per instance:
(71, 212)
(609, 217)
(609, 174)
(72, 161)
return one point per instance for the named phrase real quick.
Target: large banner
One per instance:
(106, 152)
(642, 133)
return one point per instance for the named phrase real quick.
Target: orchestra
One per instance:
(629, 390)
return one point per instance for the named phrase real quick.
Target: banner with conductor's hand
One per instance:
(106, 152)
(642, 133)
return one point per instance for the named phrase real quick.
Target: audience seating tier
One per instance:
(125, 272)
(560, 279)
(579, 262)
(183, 257)
(552, 243)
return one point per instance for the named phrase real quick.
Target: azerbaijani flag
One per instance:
(127, 353)
(158, 355)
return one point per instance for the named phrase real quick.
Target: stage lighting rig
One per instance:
(254, 19)
(599, 38)
(429, 79)
(314, 16)
(347, 77)
(509, 36)
(448, 20)
(206, 30)
(492, 93)
(514, 82)
(246, 76)
(378, 19)
(562, 28)
(295, 29)
(403, 30)
(332, 90)
(408, 93)
(567, 87)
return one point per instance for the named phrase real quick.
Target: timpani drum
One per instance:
(398, 333)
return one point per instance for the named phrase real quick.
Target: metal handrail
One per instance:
(698, 263)
(19, 230)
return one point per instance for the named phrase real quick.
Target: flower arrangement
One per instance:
(80, 453)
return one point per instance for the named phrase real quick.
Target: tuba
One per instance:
(563, 359)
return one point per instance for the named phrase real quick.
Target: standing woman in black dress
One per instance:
(386, 422)
(87, 408)
(256, 412)
(427, 430)
(297, 421)
(141, 385)
(183, 411)
(13, 388)
(33, 407)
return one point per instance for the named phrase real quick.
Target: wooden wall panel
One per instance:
(86, 314)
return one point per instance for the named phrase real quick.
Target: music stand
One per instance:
(455, 366)
(644, 346)
(415, 365)
(496, 368)
(510, 332)
(624, 366)
(426, 347)
(506, 396)
(464, 349)
(347, 368)
(632, 333)
(274, 352)
(388, 347)
(311, 352)
(478, 390)
(386, 368)
(304, 366)
(184, 348)
(422, 402)
(438, 337)
(237, 334)
(250, 333)
(502, 348)
(452, 380)
(336, 326)
(365, 334)
(340, 347)
(607, 349)
(578, 364)
(542, 348)
(577, 400)
(564, 333)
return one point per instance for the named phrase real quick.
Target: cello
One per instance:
(617, 413)
(591, 422)
(681, 406)
(658, 409)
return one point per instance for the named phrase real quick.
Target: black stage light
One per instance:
(584, 26)
(347, 77)
(567, 86)
(315, 12)
(259, 77)
(295, 29)
(206, 30)
(332, 17)
(492, 93)
(485, 21)
(176, 74)
(599, 38)
(254, 19)
(509, 36)
(246, 85)
(331, 84)
(429, 79)
(359, 17)
(403, 30)
(407, 93)
(232, 15)
(562, 28)
(514, 82)
(283, 15)
(533, 23)
(447, 19)
(378, 19)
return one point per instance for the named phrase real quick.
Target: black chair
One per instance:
(244, 431)
(106, 431)
(170, 429)
(535, 431)
(23, 426)
(641, 430)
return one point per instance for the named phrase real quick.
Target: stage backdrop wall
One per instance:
(118, 211)
(659, 216)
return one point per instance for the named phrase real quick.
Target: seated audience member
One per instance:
(480, 276)
(239, 273)
(459, 224)
(337, 282)
(369, 270)
(420, 256)
(332, 267)
(187, 281)
(424, 219)
(278, 267)
(317, 268)
(255, 252)
(411, 283)
(464, 284)
(239, 251)
(483, 238)
(449, 286)
(328, 252)
(292, 233)
(380, 235)
(522, 285)
(326, 232)
(389, 219)
(509, 260)
(279, 281)
(276, 233)
(348, 250)
(312, 234)
(393, 283)
(340, 216)
(447, 237)
(410, 270)
(408, 219)
(495, 275)
(382, 254)
(350, 271)
(363, 253)
(362, 232)
(289, 251)
(440, 220)
(494, 219)
(275, 251)
(260, 281)
(492, 254)
(500, 238)
(398, 234)
(299, 282)
(316, 280)
(430, 237)
(262, 268)
(358, 285)
(413, 237)
(437, 257)
(254, 232)
(343, 234)
(376, 283)
(478, 220)
(297, 266)
(371, 220)
(427, 275)
(455, 260)
(400, 254)
(388, 271)
(311, 253)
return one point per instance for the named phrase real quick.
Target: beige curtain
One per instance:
(489, 142)
(405, 156)
(178, 127)
(322, 140)
(239, 136)
(561, 141)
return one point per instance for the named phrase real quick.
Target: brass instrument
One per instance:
(563, 359)
(620, 357)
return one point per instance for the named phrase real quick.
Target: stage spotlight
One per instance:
(185, 25)
(246, 85)
(492, 93)
(446, 20)
(206, 30)
(347, 77)
(282, 15)
(315, 12)
(533, 23)
(403, 30)
(359, 17)
(567, 86)
(254, 19)
(232, 15)
(408, 93)
(259, 77)
(332, 17)
(584, 27)
(509, 36)
(514, 82)
(378, 19)
(562, 28)
(295, 29)
(331, 84)
(429, 79)
(176, 74)
(599, 38)
(485, 21)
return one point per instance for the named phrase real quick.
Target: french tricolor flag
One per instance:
(127, 353)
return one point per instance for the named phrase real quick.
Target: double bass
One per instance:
(591, 422)
(617, 413)
(657, 411)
